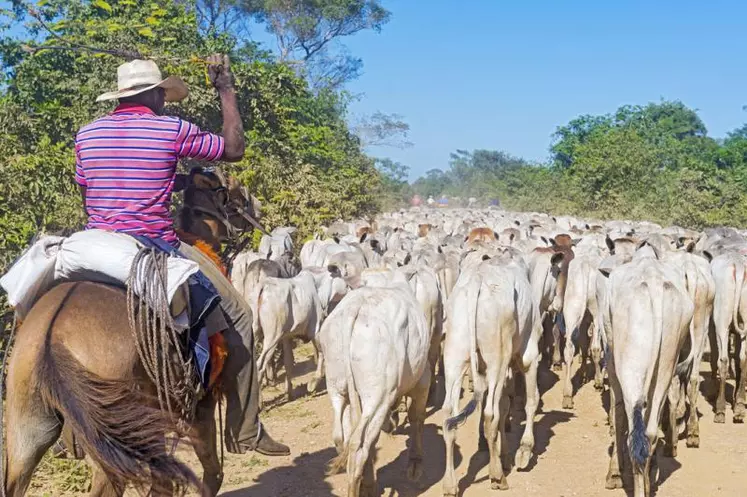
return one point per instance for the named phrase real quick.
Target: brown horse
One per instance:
(75, 361)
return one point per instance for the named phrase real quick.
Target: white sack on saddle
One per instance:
(32, 274)
(106, 257)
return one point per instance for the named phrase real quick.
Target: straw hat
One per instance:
(139, 76)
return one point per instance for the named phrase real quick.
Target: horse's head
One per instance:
(216, 207)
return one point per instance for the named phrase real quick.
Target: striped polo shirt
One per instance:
(127, 162)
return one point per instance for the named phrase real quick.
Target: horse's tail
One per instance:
(120, 428)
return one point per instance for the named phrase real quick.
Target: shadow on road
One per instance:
(283, 481)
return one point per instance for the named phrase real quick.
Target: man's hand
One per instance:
(219, 70)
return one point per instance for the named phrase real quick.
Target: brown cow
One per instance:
(424, 229)
(481, 235)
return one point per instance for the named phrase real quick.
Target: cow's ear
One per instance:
(605, 272)
(557, 258)
(439, 250)
(408, 258)
(363, 237)
(336, 239)
(517, 223)
(708, 256)
(396, 229)
(553, 242)
(610, 244)
(690, 247)
(486, 257)
(544, 240)
(334, 271)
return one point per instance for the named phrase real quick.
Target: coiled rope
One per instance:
(163, 352)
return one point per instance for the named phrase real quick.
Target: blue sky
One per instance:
(503, 75)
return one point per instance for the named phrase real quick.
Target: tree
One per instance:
(655, 122)
(308, 33)
(302, 159)
(383, 130)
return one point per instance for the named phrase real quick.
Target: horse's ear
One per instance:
(180, 182)
(200, 179)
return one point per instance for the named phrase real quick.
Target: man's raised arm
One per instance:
(219, 71)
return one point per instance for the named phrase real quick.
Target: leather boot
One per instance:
(269, 447)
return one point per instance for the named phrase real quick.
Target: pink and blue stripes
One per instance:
(127, 162)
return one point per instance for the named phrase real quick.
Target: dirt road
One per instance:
(571, 453)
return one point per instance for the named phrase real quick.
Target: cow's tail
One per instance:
(473, 297)
(640, 447)
(738, 283)
(684, 368)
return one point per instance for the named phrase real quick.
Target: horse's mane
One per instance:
(204, 247)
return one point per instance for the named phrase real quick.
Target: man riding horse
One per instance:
(126, 170)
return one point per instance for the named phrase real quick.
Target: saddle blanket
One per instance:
(91, 255)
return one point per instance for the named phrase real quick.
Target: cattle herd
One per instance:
(392, 303)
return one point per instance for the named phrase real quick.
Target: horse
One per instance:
(76, 362)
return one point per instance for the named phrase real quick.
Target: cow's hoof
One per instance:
(670, 451)
(719, 418)
(450, 491)
(739, 413)
(501, 484)
(567, 402)
(523, 456)
(598, 384)
(557, 367)
(613, 482)
(414, 469)
(693, 441)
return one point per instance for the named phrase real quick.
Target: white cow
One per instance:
(492, 315)
(287, 308)
(730, 311)
(375, 347)
(580, 306)
(647, 313)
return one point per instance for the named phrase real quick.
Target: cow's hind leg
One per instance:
(524, 454)
(288, 363)
(453, 373)
(740, 395)
(493, 432)
(557, 359)
(32, 428)
(361, 475)
(416, 415)
(596, 355)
